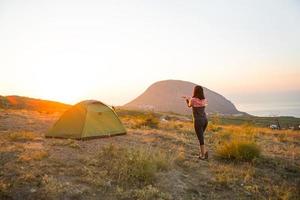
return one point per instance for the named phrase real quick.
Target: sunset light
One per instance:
(101, 50)
(149, 99)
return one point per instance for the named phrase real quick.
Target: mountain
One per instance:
(18, 102)
(166, 96)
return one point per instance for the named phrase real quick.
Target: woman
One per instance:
(198, 103)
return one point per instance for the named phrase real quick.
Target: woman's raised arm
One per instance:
(188, 101)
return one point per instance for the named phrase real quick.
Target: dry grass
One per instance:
(177, 126)
(132, 165)
(148, 121)
(251, 182)
(213, 127)
(4, 186)
(33, 155)
(141, 120)
(148, 192)
(268, 177)
(237, 143)
(27, 177)
(22, 136)
(148, 163)
(54, 187)
(282, 136)
(66, 142)
(230, 174)
(238, 150)
(213, 124)
(282, 191)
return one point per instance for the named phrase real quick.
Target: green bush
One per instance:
(238, 150)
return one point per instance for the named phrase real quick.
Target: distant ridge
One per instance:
(166, 96)
(19, 102)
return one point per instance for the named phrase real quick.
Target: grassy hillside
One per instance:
(157, 159)
(18, 102)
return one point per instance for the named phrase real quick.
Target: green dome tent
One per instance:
(87, 119)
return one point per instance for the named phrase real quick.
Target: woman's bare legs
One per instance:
(203, 153)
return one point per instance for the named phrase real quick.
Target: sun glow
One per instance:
(65, 85)
(71, 51)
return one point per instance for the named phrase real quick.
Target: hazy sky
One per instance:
(113, 50)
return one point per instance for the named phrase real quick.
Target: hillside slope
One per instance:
(18, 102)
(166, 96)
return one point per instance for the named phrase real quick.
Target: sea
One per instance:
(271, 109)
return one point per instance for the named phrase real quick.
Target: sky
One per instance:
(246, 50)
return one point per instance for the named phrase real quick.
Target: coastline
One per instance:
(271, 109)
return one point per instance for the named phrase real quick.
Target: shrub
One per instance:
(215, 119)
(148, 121)
(249, 130)
(238, 150)
(151, 122)
(225, 136)
(213, 127)
(214, 122)
(139, 119)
